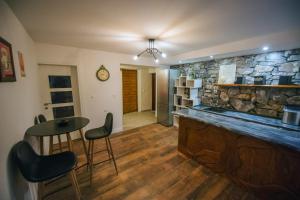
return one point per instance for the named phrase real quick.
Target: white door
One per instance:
(59, 91)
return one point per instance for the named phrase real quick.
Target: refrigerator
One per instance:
(165, 95)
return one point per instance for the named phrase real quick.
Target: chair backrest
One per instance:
(42, 118)
(36, 121)
(109, 122)
(25, 158)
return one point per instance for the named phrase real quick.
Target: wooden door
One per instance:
(59, 91)
(153, 91)
(129, 83)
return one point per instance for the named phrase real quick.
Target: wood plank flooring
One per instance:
(150, 168)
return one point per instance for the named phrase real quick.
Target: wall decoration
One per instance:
(102, 74)
(227, 74)
(7, 70)
(21, 63)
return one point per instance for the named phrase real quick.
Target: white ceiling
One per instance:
(180, 26)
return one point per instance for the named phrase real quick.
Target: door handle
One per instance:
(46, 104)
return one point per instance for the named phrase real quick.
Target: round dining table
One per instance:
(57, 127)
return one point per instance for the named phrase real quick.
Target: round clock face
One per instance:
(102, 74)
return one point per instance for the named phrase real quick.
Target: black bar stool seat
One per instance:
(96, 133)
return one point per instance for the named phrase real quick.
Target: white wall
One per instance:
(146, 89)
(96, 97)
(19, 102)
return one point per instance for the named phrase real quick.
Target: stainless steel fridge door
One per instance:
(163, 96)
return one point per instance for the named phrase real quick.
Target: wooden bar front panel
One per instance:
(271, 171)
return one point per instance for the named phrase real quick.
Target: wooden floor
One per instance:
(150, 167)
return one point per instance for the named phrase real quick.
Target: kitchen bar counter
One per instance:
(258, 154)
(271, 130)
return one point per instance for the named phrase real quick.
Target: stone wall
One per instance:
(263, 101)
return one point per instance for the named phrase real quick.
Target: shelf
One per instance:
(181, 106)
(187, 87)
(265, 86)
(184, 88)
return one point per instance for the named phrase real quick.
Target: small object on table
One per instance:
(291, 115)
(63, 122)
(259, 80)
(285, 80)
(239, 80)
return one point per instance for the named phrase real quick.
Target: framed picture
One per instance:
(21, 63)
(7, 69)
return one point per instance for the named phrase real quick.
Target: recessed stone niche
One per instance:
(262, 101)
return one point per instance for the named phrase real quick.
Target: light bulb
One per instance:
(135, 57)
(156, 60)
(163, 55)
(265, 48)
(211, 57)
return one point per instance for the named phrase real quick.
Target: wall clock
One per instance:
(102, 74)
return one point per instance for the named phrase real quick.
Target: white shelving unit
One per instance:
(186, 94)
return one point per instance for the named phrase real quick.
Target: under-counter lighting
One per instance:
(211, 57)
(179, 61)
(265, 48)
(156, 60)
(135, 57)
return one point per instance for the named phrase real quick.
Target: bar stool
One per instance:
(35, 168)
(42, 119)
(99, 133)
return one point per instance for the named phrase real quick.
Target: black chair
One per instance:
(36, 121)
(42, 119)
(37, 168)
(98, 133)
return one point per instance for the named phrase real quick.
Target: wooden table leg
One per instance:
(84, 145)
(50, 145)
(41, 145)
(59, 142)
(41, 188)
(69, 142)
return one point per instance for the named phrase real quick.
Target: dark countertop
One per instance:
(248, 117)
(264, 128)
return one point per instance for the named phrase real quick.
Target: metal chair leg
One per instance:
(75, 184)
(89, 154)
(112, 154)
(91, 162)
(107, 148)
(83, 143)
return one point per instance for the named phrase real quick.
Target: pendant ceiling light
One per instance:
(152, 51)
